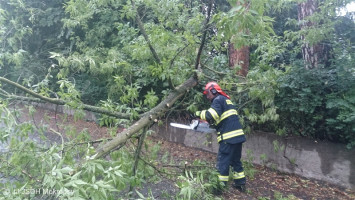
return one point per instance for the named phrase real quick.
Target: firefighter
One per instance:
(230, 135)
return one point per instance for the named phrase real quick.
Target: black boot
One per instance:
(219, 189)
(241, 188)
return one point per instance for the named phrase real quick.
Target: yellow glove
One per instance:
(198, 113)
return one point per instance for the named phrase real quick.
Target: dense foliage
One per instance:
(320, 105)
(317, 103)
(126, 56)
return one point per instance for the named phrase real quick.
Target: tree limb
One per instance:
(141, 28)
(141, 139)
(32, 93)
(205, 30)
(41, 99)
(149, 119)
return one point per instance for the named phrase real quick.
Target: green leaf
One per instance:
(66, 170)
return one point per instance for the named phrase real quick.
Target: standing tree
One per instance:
(317, 20)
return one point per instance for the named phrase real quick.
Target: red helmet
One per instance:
(214, 88)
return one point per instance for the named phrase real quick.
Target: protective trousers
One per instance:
(230, 155)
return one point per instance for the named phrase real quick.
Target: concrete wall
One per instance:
(89, 116)
(319, 160)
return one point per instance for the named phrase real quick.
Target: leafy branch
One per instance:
(41, 99)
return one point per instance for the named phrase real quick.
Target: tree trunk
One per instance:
(315, 54)
(239, 57)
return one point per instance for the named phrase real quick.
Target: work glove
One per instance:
(198, 113)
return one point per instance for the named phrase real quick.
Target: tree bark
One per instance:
(239, 57)
(315, 54)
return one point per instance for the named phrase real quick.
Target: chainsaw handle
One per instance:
(194, 123)
(197, 124)
(192, 117)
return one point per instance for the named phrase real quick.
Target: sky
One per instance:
(350, 7)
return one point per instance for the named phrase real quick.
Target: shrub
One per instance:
(318, 103)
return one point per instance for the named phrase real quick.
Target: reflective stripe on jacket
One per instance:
(225, 116)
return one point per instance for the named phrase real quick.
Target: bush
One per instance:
(318, 103)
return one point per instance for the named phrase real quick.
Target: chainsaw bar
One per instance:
(181, 126)
(196, 125)
(193, 125)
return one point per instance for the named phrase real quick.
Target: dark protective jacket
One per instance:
(224, 116)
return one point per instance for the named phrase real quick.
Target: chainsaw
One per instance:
(196, 125)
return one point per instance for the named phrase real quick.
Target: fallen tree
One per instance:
(151, 117)
(146, 119)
